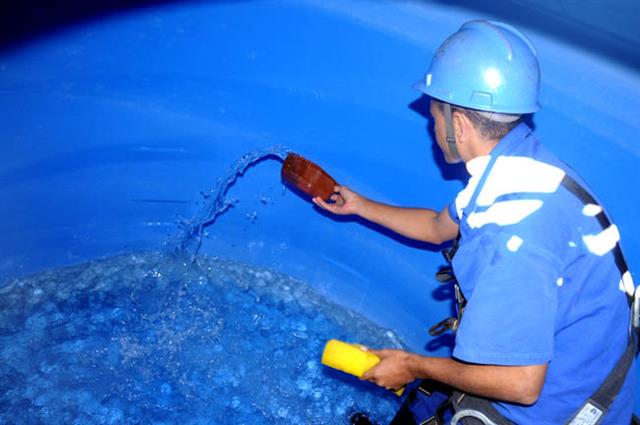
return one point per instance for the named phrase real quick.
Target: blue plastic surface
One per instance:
(111, 128)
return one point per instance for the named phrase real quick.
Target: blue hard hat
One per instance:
(485, 65)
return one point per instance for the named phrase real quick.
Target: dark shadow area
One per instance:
(528, 119)
(444, 292)
(446, 340)
(26, 20)
(609, 36)
(22, 21)
(614, 36)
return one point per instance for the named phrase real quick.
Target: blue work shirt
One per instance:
(539, 276)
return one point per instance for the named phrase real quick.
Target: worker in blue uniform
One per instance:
(546, 291)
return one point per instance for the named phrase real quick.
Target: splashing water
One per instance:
(188, 242)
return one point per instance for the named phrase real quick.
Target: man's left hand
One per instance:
(393, 371)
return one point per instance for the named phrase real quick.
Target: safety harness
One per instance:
(471, 410)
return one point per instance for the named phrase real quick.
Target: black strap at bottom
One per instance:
(462, 401)
(593, 411)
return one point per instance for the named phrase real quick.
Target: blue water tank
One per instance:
(114, 121)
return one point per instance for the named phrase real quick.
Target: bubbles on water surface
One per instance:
(150, 338)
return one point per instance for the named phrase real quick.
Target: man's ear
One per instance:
(461, 126)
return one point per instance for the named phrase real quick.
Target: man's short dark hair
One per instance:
(488, 128)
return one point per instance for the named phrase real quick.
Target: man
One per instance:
(547, 307)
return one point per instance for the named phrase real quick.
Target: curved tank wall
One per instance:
(111, 128)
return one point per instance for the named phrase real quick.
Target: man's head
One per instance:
(487, 75)
(470, 128)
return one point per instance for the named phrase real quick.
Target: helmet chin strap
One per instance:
(451, 137)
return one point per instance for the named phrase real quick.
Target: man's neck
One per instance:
(481, 147)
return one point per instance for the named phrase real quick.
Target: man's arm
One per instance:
(415, 223)
(517, 384)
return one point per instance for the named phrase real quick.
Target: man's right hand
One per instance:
(343, 202)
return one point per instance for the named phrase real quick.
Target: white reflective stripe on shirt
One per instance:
(505, 213)
(518, 174)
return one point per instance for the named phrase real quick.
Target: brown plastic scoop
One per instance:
(307, 176)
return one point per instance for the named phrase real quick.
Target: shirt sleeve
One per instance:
(512, 307)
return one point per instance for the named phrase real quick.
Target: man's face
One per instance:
(439, 130)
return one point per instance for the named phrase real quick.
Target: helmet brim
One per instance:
(420, 85)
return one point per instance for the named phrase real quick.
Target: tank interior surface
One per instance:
(116, 123)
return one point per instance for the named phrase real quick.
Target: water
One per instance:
(177, 337)
(215, 201)
(149, 338)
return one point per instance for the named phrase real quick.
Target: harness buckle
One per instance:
(445, 275)
(447, 324)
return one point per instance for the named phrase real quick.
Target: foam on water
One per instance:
(155, 338)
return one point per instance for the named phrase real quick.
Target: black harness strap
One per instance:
(462, 401)
(593, 410)
(586, 198)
